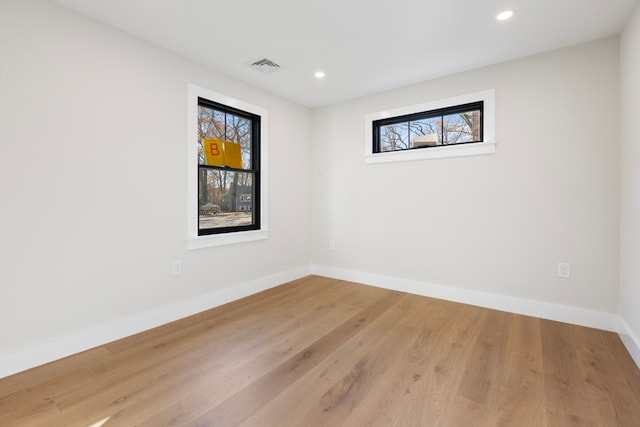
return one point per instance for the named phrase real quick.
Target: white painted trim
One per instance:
(472, 149)
(544, 310)
(441, 152)
(193, 240)
(20, 360)
(630, 341)
(226, 239)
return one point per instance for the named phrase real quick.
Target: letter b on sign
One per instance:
(213, 151)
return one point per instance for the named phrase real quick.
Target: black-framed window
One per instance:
(459, 124)
(228, 169)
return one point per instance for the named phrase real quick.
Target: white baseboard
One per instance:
(630, 341)
(23, 359)
(544, 310)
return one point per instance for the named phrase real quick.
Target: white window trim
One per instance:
(488, 146)
(193, 240)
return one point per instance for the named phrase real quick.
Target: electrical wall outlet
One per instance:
(176, 268)
(332, 244)
(564, 270)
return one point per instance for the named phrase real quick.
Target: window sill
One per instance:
(200, 242)
(460, 150)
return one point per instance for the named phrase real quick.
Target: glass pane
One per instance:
(462, 127)
(210, 125)
(217, 124)
(394, 137)
(239, 131)
(225, 198)
(426, 132)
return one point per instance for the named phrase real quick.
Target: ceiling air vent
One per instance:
(265, 66)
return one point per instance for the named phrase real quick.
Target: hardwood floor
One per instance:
(324, 352)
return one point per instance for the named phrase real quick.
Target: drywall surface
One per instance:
(630, 182)
(496, 223)
(93, 179)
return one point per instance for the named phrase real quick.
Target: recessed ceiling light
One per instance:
(503, 16)
(319, 74)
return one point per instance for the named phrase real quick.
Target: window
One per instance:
(228, 168)
(227, 141)
(452, 127)
(461, 124)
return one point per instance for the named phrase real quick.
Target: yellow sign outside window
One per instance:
(222, 153)
(232, 155)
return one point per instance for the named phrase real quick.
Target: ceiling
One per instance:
(363, 46)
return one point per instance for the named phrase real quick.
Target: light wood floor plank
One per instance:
(481, 377)
(321, 352)
(567, 400)
(520, 399)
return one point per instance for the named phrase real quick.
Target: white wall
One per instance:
(630, 184)
(93, 185)
(490, 225)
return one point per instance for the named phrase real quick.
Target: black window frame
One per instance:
(254, 170)
(429, 114)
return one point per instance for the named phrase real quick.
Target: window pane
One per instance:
(394, 137)
(225, 198)
(457, 124)
(426, 132)
(213, 123)
(239, 131)
(210, 125)
(462, 127)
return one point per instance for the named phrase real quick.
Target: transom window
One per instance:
(228, 169)
(460, 124)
